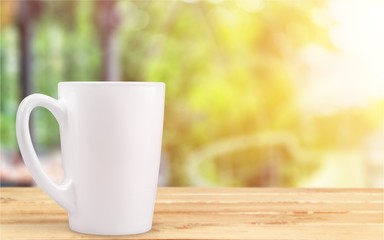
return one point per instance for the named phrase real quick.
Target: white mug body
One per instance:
(111, 145)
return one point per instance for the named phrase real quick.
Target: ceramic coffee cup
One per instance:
(111, 134)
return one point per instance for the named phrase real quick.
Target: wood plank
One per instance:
(203, 231)
(219, 213)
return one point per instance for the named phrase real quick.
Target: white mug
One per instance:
(111, 134)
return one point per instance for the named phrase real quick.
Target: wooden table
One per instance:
(217, 213)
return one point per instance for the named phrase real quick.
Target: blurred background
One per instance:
(259, 93)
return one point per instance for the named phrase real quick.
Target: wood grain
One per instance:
(217, 213)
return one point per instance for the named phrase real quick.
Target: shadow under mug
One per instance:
(111, 134)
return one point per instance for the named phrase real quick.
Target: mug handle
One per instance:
(63, 194)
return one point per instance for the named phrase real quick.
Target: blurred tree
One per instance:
(227, 69)
(28, 13)
(106, 20)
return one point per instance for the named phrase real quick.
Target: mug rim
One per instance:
(109, 83)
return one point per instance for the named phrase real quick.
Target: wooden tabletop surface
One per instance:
(216, 213)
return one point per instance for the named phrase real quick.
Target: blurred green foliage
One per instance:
(228, 70)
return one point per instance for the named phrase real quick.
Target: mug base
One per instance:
(106, 232)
